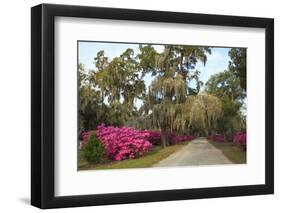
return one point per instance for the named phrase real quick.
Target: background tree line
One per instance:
(108, 93)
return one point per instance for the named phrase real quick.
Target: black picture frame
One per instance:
(43, 105)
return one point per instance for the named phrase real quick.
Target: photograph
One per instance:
(143, 105)
(170, 105)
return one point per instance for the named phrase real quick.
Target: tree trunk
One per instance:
(206, 132)
(164, 137)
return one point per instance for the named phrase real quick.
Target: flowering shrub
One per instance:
(152, 136)
(174, 139)
(123, 143)
(241, 138)
(126, 142)
(217, 137)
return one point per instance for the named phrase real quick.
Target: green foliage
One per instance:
(88, 102)
(238, 64)
(94, 151)
(230, 122)
(167, 107)
(147, 58)
(108, 93)
(100, 60)
(205, 111)
(227, 87)
(168, 93)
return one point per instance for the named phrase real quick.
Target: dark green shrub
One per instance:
(94, 151)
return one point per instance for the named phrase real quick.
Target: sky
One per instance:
(87, 51)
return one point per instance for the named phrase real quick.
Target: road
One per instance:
(198, 152)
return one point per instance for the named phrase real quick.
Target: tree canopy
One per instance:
(109, 92)
(238, 64)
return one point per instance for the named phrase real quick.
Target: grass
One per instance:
(152, 157)
(232, 151)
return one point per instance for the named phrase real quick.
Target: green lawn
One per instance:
(232, 151)
(156, 154)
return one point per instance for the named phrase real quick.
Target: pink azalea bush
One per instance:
(241, 138)
(175, 139)
(217, 137)
(153, 136)
(127, 143)
(123, 143)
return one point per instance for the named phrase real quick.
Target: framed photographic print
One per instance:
(139, 106)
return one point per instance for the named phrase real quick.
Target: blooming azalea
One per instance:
(127, 143)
